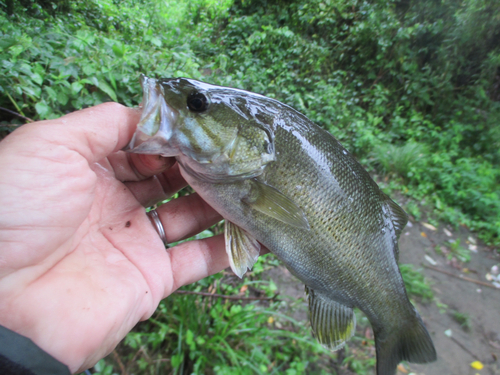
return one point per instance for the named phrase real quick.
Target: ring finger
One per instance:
(186, 216)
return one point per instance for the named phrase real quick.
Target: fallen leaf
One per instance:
(243, 289)
(494, 270)
(477, 365)
(430, 260)
(402, 369)
(270, 320)
(473, 248)
(423, 234)
(471, 239)
(447, 232)
(429, 226)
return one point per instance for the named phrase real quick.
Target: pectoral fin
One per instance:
(241, 248)
(398, 216)
(332, 322)
(271, 202)
(399, 219)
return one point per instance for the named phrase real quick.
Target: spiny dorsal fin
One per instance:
(271, 202)
(241, 248)
(332, 322)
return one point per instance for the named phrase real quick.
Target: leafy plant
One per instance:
(415, 283)
(401, 160)
(461, 318)
(459, 252)
(203, 335)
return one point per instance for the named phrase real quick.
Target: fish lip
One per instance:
(155, 128)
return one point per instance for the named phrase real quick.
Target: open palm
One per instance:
(80, 262)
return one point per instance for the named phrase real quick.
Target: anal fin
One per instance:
(332, 322)
(241, 248)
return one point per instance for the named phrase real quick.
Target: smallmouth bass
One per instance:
(281, 181)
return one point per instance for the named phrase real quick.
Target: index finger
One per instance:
(93, 132)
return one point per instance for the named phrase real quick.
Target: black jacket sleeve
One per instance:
(20, 356)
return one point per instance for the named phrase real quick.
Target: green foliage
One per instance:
(52, 66)
(403, 161)
(412, 88)
(194, 334)
(416, 285)
(360, 354)
(459, 252)
(461, 318)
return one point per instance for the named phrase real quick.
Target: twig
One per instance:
(120, 363)
(465, 348)
(228, 297)
(16, 114)
(461, 277)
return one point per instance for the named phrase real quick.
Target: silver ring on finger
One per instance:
(155, 220)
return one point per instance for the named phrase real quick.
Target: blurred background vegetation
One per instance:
(410, 87)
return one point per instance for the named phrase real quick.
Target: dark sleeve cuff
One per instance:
(20, 356)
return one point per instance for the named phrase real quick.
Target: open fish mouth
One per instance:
(157, 122)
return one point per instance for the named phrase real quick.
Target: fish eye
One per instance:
(197, 102)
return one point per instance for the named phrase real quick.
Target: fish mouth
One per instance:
(156, 125)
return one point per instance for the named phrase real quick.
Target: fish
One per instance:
(282, 182)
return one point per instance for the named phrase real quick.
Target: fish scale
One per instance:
(281, 181)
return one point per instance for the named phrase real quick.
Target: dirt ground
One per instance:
(457, 347)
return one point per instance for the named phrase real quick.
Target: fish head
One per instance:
(216, 133)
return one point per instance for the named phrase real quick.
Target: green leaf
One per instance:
(107, 89)
(176, 360)
(62, 98)
(7, 42)
(76, 87)
(52, 93)
(156, 41)
(89, 69)
(43, 109)
(189, 337)
(37, 78)
(119, 49)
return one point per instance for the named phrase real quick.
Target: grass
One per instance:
(416, 284)
(458, 252)
(400, 160)
(461, 318)
(194, 334)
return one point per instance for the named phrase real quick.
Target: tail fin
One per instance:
(411, 343)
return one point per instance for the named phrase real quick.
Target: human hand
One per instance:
(80, 262)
